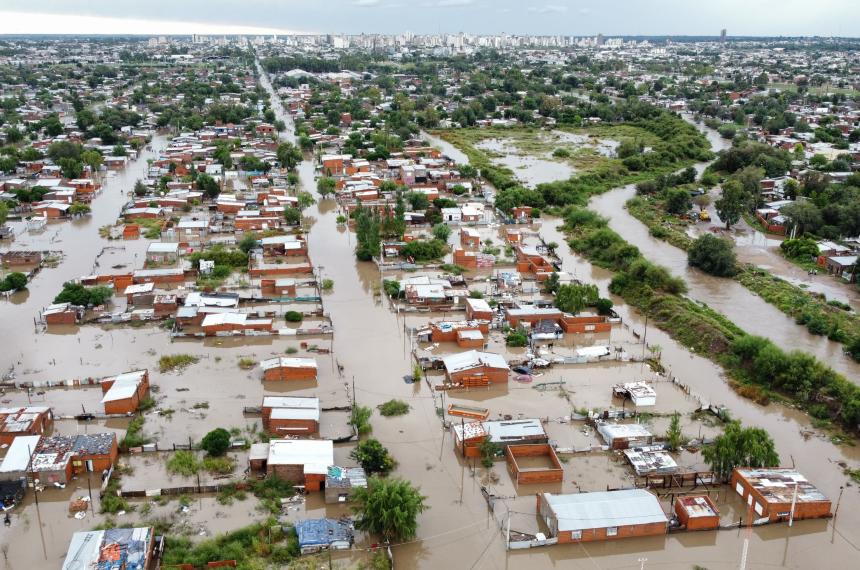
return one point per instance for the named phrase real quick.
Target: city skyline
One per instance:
(555, 17)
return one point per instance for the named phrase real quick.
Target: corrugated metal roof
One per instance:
(604, 509)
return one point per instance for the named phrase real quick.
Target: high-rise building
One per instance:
(723, 36)
(600, 39)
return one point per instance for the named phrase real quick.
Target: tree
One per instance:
(140, 189)
(13, 135)
(731, 203)
(674, 435)
(288, 155)
(388, 507)
(677, 201)
(92, 158)
(805, 215)
(4, 212)
(248, 242)
(118, 150)
(305, 199)
(70, 167)
(574, 297)
(293, 216)
(702, 201)
(79, 209)
(15, 281)
(740, 447)
(208, 185)
(216, 442)
(7, 164)
(326, 185)
(713, 255)
(373, 456)
(441, 232)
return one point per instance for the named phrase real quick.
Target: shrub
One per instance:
(373, 457)
(216, 442)
(246, 363)
(327, 284)
(713, 255)
(393, 408)
(517, 338)
(134, 434)
(13, 282)
(360, 419)
(170, 362)
(77, 294)
(183, 463)
(293, 317)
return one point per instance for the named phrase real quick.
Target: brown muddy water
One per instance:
(372, 345)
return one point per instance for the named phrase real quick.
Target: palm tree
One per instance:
(389, 507)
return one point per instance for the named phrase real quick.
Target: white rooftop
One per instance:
(316, 455)
(604, 509)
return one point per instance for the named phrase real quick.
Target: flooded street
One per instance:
(372, 344)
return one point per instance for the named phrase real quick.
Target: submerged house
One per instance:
(291, 415)
(17, 422)
(284, 368)
(303, 462)
(774, 492)
(604, 515)
(112, 549)
(321, 534)
(124, 393)
(474, 368)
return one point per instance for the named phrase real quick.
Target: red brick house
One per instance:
(124, 393)
(291, 415)
(603, 515)
(283, 368)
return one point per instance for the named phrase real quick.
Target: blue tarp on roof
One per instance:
(322, 532)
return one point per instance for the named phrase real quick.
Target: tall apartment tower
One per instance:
(723, 36)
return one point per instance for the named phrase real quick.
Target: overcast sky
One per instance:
(566, 17)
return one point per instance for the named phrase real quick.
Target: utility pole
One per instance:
(793, 504)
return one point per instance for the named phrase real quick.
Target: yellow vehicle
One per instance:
(704, 216)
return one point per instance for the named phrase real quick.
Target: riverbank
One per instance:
(756, 367)
(820, 316)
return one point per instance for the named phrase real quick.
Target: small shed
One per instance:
(622, 436)
(341, 482)
(284, 368)
(321, 534)
(697, 512)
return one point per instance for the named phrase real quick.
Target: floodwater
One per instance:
(531, 169)
(372, 345)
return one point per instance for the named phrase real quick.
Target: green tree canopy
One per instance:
(373, 456)
(389, 507)
(713, 255)
(216, 442)
(740, 447)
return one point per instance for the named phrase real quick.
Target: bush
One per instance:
(604, 306)
(183, 463)
(424, 250)
(561, 153)
(441, 232)
(393, 408)
(327, 284)
(293, 317)
(713, 255)
(246, 363)
(373, 457)
(216, 442)
(170, 362)
(360, 419)
(77, 294)
(678, 201)
(13, 282)
(134, 434)
(517, 338)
